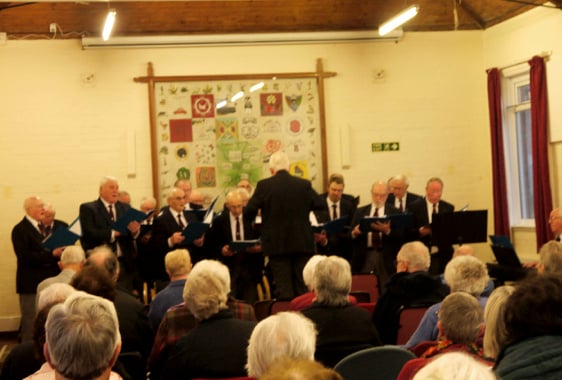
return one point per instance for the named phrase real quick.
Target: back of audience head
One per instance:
(104, 257)
(332, 281)
(455, 365)
(54, 293)
(206, 290)
(83, 339)
(72, 255)
(495, 334)
(463, 250)
(534, 308)
(95, 280)
(178, 263)
(461, 318)
(299, 369)
(286, 334)
(413, 257)
(308, 270)
(467, 274)
(550, 257)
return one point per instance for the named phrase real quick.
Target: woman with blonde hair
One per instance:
(495, 334)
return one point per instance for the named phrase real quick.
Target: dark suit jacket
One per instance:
(285, 202)
(391, 243)
(411, 198)
(339, 243)
(421, 218)
(34, 262)
(96, 227)
(164, 226)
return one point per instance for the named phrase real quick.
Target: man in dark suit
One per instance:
(245, 266)
(167, 235)
(399, 196)
(335, 206)
(375, 250)
(423, 214)
(34, 263)
(96, 218)
(285, 202)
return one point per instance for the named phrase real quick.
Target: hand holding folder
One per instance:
(131, 215)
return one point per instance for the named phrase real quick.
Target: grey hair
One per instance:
(206, 290)
(455, 365)
(495, 334)
(550, 256)
(72, 254)
(467, 274)
(401, 177)
(150, 200)
(416, 254)
(461, 317)
(308, 270)
(279, 161)
(286, 334)
(28, 202)
(82, 335)
(107, 179)
(103, 256)
(177, 262)
(332, 281)
(54, 293)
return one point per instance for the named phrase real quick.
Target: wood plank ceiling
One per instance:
(77, 19)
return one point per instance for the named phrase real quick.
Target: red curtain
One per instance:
(501, 217)
(541, 174)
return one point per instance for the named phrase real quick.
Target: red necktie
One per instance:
(180, 223)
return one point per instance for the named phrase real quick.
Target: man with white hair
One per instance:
(82, 339)
(399, 196)
(70, 263)
(411, 285)
(286, 234)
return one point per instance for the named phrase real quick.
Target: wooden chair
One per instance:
(366, 282)
(381, 363)
(278, 306)
(409, 319)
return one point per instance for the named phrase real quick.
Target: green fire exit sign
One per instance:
(385, 146)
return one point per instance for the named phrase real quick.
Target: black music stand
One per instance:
(459, 227)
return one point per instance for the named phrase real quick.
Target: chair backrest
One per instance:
(133, 364)
(369, 306)
(278, 306)
(381, 363)
(366, 282)
(409, 319)
(361, 297)
(261, 309)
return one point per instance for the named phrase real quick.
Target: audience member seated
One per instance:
(455, 365)
(178, 265)
(71, 261)
(342, 328)
(550, 258)
(283, 335)
(305, 300)
(534, 331)
(82, 339)
(462, 274)
(460, 323)
(495, 334)
(134, 325)
(467, 250)
(300, 369)
(27, 357)
(216, 347)
(412, 285)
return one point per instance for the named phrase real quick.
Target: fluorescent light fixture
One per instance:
(109, 21)
(237, 96)
(167, 41)
(221, 104)
(256, 87)
(398, 20)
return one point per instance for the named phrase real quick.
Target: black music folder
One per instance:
(402, 221)
(459, 227)
(332, 227)
(504, 252)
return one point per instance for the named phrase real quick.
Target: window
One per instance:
(518, 139)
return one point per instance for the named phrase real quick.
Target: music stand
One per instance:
(459, 227)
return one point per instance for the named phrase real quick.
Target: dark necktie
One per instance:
(334, 212)
(42, 229)
(400, 206)
(48, 230)
(434, 208)
(180, 222)
(111, 214)
(375, 235)
(238, 234)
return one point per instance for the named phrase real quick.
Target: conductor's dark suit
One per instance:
(440, 258)
(245, 268)
(285, 202)
(164, 226)
(385, 254)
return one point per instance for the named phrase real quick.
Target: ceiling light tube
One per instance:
(109, 21)
(237, 96)
(398, 20)
(221, 104)
(256, 86)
